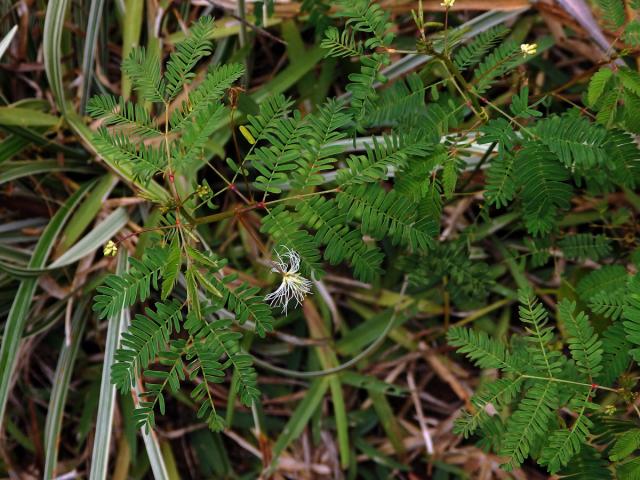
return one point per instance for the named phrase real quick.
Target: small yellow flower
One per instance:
(529, 48)
(110, 249)
(203, 191)
(448, 3)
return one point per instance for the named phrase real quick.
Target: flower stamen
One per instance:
(293, 286)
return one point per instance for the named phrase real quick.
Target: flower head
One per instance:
(110, 249)
(448, 3)
(293, 286)
(204, 191)
(529, 48)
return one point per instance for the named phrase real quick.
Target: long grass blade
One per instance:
(106, 405)
(86, 213)
(94, 239)
(60, 388)
(18, 314)
(6, 40)
(53, 26)
(20, 169)
(90, 41)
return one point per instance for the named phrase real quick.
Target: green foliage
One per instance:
(118, 292)
(632, 317)
(341, 44)
(473, 53)
(341, 243)
(584, 245)
(539, 382)
(544, 189)
(148, 335)
(613, 12)
(583, 343)
(577, 143)
(319, 152)
(387, 214)
(391, 152)
(188, 52)
(364, 181)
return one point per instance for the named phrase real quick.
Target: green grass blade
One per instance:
(26, 117)
(19, 169)
(106, 404)
(97, 237)
(14, 326)
(34, 135)
(10, 146)
(52, 36)
(86, 213)
(301, 415)
(90, 41)
(60, 388)
(6, 40)
(131, 28)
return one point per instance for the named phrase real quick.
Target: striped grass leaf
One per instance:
(106, 403)
(90, 43)
(60, 388)
(17, 319)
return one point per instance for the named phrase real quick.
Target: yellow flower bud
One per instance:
(110, 249)
(529, 48)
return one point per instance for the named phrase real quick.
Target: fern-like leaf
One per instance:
(615, 359)
(144, 415)
(287, 230)
(341, 45)
(144, 72)
(218, 80)
(194, 137)
(387, 214)
(632, 317)
(145, 161)
(582, 246)
(276, 162)
(368, 17)
(613, 12)
(118, 292)
(544, 192)
(500, 185)
(341, 242)
(148, 335)
(392, 152)
(317, 154)
(473, 53)
(598, 85)
(528, 423)
(131, 117)
(585, 347)
(187, 54)
(540, 335)
(578, 143)
(243, 301)
(482, 350)
(563, 444)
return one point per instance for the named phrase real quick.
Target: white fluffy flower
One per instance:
(294, 286)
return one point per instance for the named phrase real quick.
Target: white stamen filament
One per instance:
(293, 286)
